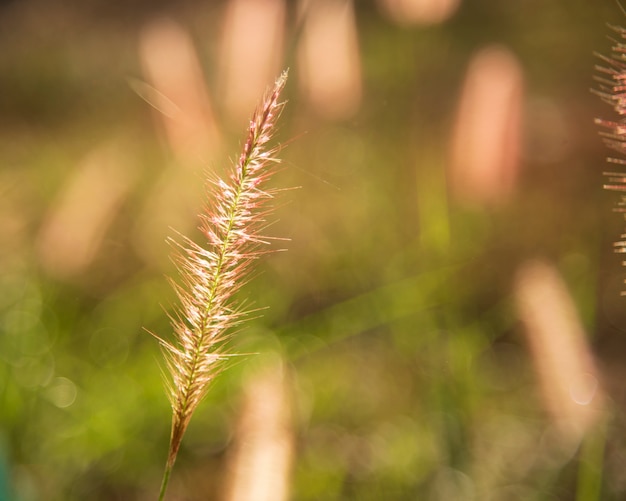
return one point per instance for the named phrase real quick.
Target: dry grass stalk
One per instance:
(232, 223)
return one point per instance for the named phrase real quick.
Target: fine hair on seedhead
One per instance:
(233, 224)
(612, 90)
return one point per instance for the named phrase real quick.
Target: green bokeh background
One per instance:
(392, 306)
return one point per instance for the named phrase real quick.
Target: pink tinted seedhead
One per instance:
(612, 90)
(232, 224)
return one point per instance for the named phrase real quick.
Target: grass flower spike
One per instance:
(232, 225)
(612, 90)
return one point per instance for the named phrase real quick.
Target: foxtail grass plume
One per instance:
(232, 224)
(612, 90)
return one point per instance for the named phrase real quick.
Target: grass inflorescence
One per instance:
(232, 224)
(612, 90)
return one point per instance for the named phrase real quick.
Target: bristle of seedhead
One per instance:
(232, 225)
(612, 90)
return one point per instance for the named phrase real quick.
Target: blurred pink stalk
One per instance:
(487, 135)
(329, 59)
(251, 52)
(564, 362)
(407, 12)
(76, 224)
(177, 90)
(261, 462)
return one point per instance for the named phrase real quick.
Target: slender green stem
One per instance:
(590, 467)
(166, 479)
